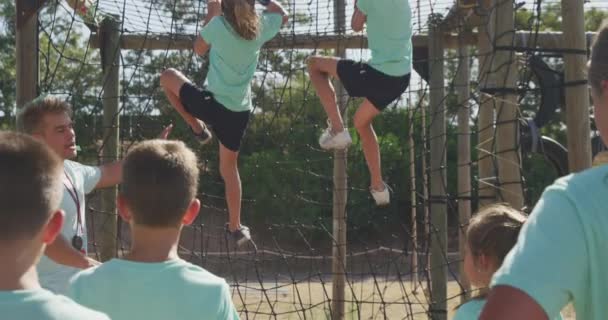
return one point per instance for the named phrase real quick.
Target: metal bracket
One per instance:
(26, 9)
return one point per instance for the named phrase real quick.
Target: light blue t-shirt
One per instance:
(233, 60)
(41, 304)
(54, 276)
(389, 35)
(173, 289)
(472, 309)
(561, 254)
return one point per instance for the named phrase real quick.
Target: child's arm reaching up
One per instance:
(214, 9)
(275, 7)
(358, 20)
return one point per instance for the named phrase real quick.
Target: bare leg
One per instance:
(230, 173)
(369, 142)
(171, 81)
(320, 69)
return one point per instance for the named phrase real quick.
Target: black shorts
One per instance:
(361, 80)
(228, 126)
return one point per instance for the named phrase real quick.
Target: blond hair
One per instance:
(242, 17)
(30, 118)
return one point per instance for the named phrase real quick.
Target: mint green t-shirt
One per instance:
(173, 289)
(472, 309)
(561, 254)
(233, 60)
(389, 35)
(41, 304)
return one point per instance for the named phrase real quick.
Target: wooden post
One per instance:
(27, 52)
(485, 118)
(464, 159)
(507, 128)
(110, 57)
(425, 190)
(340, 188)
(413, 199)
(437, 136)
(577, 97)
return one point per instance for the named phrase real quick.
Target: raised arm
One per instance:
(214, 9)
(111, 174)
(358, 20)
(275, 7)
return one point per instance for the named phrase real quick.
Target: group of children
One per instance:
(558, 257)
(157, 198)
(233, 35)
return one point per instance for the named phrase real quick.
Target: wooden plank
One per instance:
(577, 97)
(27, 54)
(438, 202)
(545, 40)
(111, 142)
(462, 86)
(485, 117)
(184, 42)
(26, 9)
(507, 127)
(340, 192)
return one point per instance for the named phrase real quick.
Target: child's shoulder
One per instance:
(94, 272)
(594, 176)
(469, 310)
(65, 307)
(199, 275)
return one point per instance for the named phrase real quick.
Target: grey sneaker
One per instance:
(240, 235)
(338, 141)
(382, 197)
(204, 137)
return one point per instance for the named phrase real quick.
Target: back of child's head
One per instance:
(160, 180)
(598, 63)
(493, 231)
(242, 17)
(30, 185)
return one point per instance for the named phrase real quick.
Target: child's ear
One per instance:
(123, 208)
(53, 227)
(192, 212)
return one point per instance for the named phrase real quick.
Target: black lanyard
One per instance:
(74, 195)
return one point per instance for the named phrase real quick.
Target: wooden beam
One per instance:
(108, 230)
(543, 40)
(577, 97)
(438, 201)
(485, 117)
(462, 85)
(340, 190)
(26, 48)
(504, 67)
(184, 42)
(26, 9)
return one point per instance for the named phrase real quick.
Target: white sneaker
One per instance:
(382, 198)
(338, 141)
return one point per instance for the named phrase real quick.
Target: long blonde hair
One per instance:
(242, 17)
